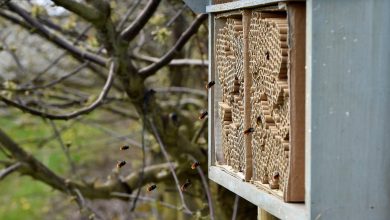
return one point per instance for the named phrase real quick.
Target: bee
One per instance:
(124, 147)
(151, 187)
(121, 163)
(203, 115)
(195, 165)
(186, 185)
(210, 84)
(249, 130)
(275, 175)
(267, 55)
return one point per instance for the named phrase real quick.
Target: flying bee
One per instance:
(121, 163)
(203, 115)
(151, 187)
(185, 185)
(195, 165)
(124, 147)
(210, 84)
(249, 130)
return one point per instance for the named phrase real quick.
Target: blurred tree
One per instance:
(142, 63)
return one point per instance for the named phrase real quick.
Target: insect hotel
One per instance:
(285, 116)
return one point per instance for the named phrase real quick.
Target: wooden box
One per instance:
(257, 106)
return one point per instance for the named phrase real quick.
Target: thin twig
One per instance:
(175, 89)
(83, 204)
(206, 188)
(199, 131)
(178, 13)
(54, 82)
(52, 64)
(235, 207)
(146, 199)
(184, 38)
(127, 15)
(64, 149)
(143, 157)
(172, 169)
(113, 133)
(61, 42)
(5, 172)
(173, 62)
(88, 109)
(136, 26)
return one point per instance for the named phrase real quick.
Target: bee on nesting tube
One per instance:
(186, 185)
(151, 187)
(210, 84)
(203, 115)
(276, 175)
(195, 165)
(124, 147)
(121, 163)
(249, 130)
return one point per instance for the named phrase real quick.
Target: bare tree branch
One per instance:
(175, 89)
(88, 13)
(205, 187)
(64, 149)
(55, 38)
(9, 170)
(34, 168)
(173, 62)
(136, 26)
(164, 60)
(146, 199)
(129, 12)
(94, 105)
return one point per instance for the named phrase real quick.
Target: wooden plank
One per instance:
(247, 96)
(296, 13)
(262, 199)
(243, 4)
(348, 92)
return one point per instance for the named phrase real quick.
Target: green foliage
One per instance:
(162, 35)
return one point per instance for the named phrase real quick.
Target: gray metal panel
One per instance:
(264, 200)
(349, 109)
(198, 6)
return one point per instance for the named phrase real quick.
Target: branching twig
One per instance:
(175, 89)
(205, 187)
(5, 172)
(136, 26)
(147, 199)
(55, 38)
(127, 15)
(166, 155)
(94, 105)
(199, 131)
(64, 149)
(40, 172)
(174, 62)
(187, 34)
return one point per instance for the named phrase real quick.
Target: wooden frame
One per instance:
(295, 184)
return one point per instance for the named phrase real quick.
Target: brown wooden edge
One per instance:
(296, 13)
